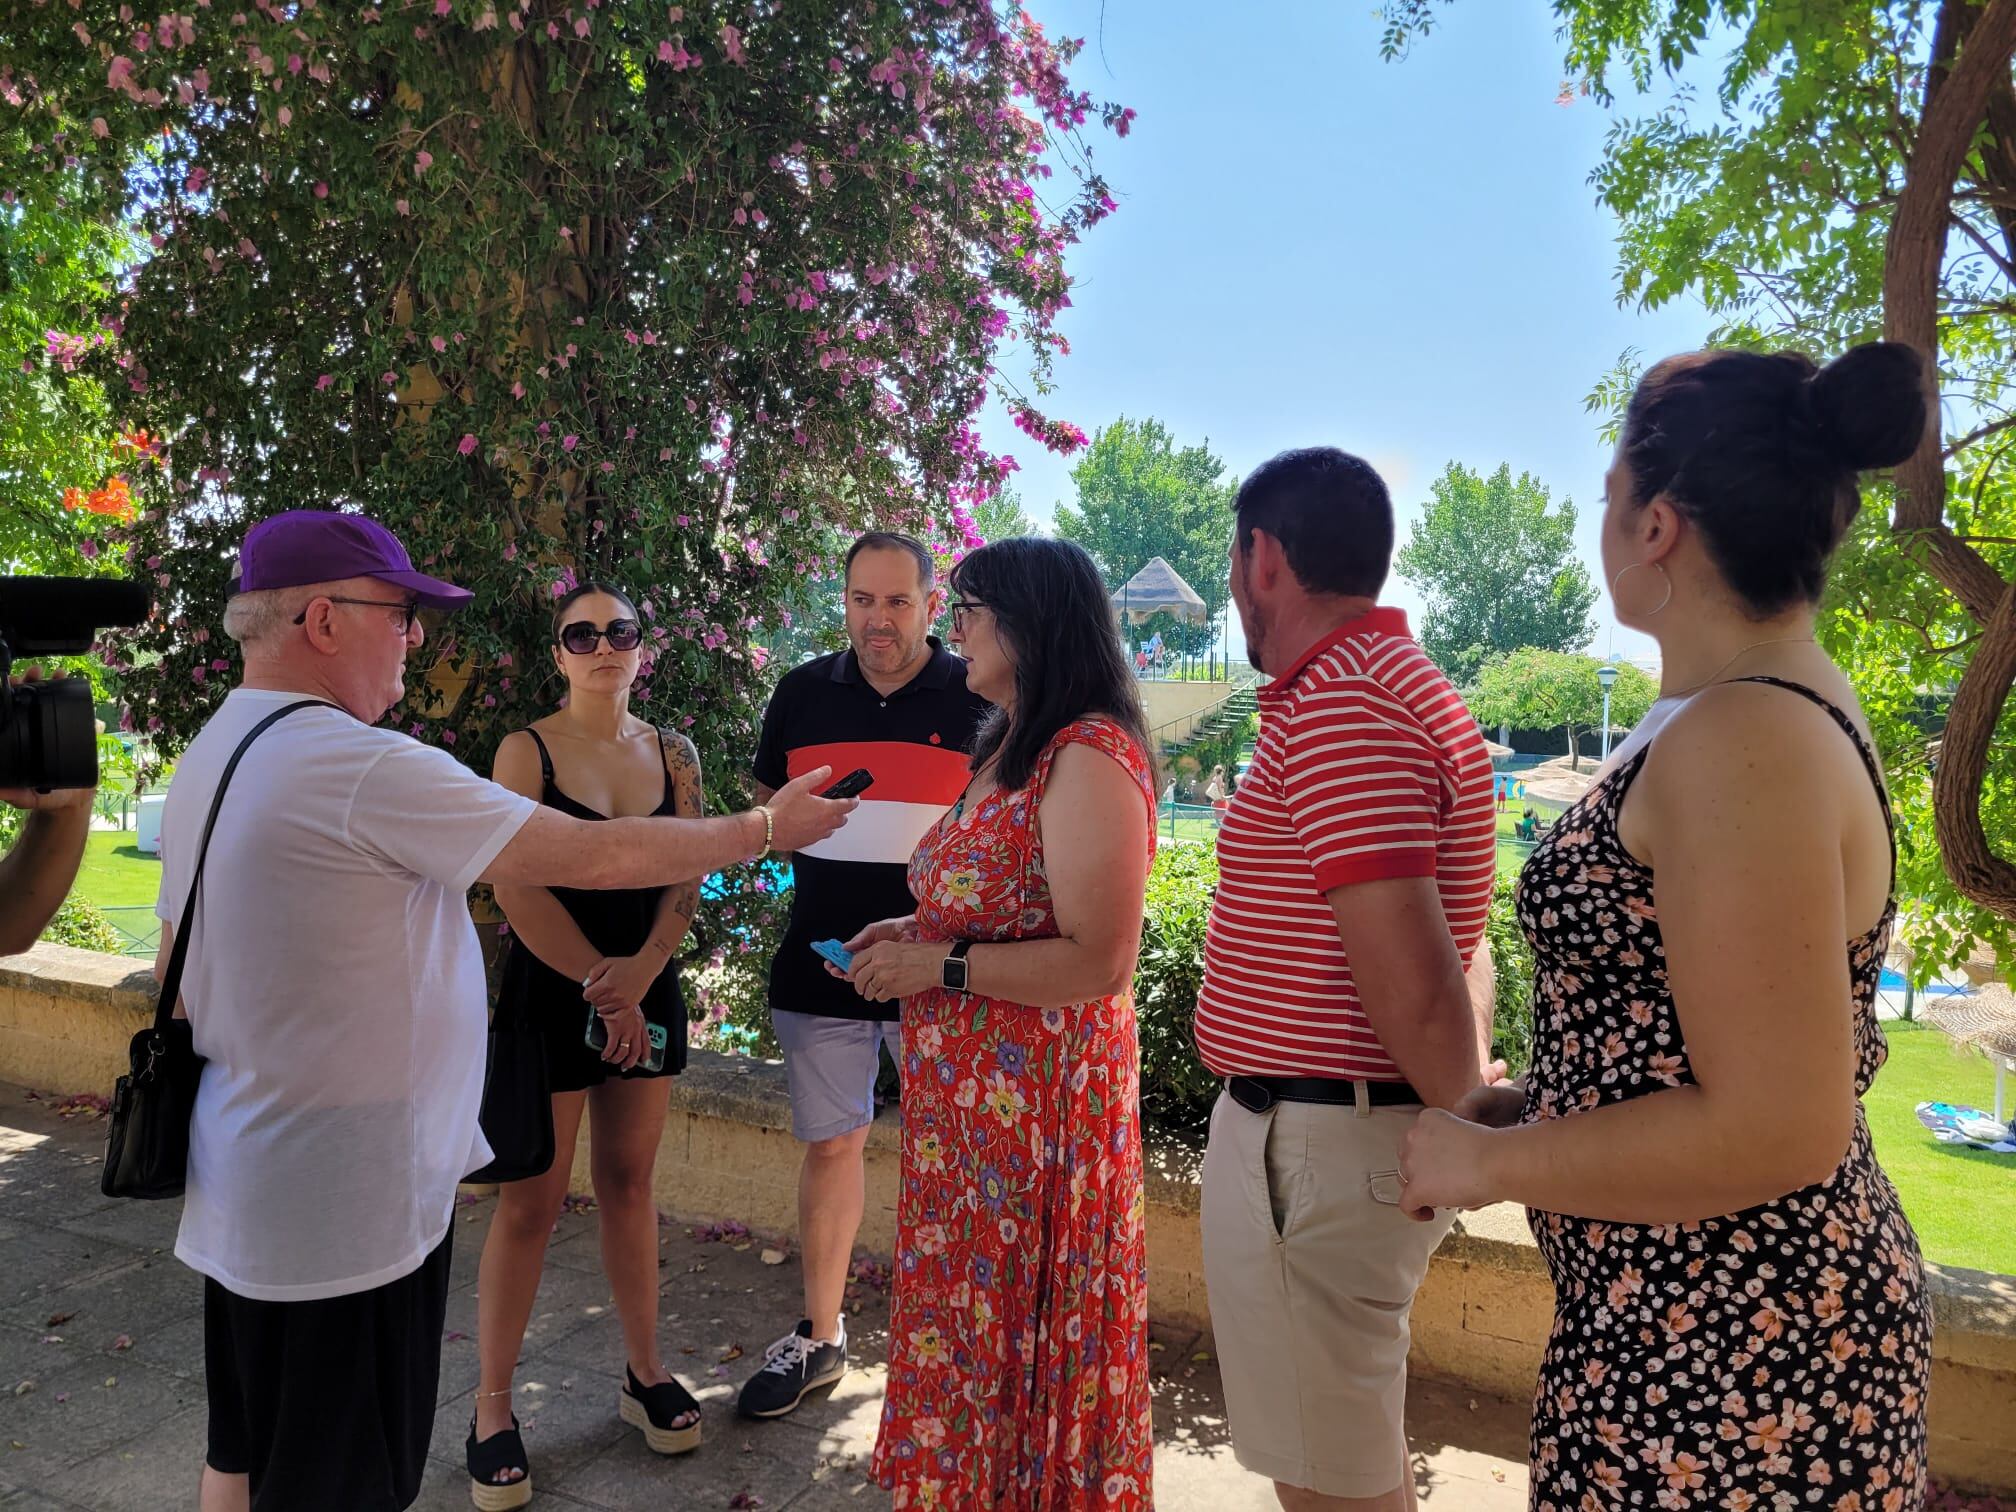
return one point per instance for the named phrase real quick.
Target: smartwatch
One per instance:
(952, 972)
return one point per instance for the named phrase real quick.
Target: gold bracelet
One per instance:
(769, 831)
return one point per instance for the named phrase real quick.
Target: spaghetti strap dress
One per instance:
(616, 922)
(1773, 1358)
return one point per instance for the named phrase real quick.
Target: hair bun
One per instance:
(1869, 404)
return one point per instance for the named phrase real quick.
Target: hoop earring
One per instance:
(1656, 567)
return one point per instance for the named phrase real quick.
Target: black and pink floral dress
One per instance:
(1773, 1359)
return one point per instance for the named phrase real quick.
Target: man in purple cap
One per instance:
(335, 989)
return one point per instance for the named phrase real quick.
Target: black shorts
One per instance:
(327, 1404)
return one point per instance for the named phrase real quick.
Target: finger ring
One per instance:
(622, 1044)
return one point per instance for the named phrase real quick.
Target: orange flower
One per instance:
(115, 499)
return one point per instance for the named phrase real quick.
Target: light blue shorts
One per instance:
(831, 1065)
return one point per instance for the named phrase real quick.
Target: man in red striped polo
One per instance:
(1356, 864)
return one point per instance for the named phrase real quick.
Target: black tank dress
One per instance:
(616, 922)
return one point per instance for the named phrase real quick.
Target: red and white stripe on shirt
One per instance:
(1368, 766)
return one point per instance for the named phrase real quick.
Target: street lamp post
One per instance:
(1607, 676)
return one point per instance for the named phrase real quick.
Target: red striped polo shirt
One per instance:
(1368, 766)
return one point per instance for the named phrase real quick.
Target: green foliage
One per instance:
(1552, 690)
(1002, 517)
(1765, 182)
(1512, 957)
(79, 923)
(1142, 496)
(1902, 639)
(58, 277)
(677, 298)
(1496, 561)
(1176, 1090)
(725, 967)
(587, 294)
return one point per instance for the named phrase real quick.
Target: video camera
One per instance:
(48, 731)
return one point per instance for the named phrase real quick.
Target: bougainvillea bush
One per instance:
(677, 296)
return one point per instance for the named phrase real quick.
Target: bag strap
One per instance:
(171, 980)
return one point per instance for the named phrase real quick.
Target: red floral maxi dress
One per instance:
(1018, 1332)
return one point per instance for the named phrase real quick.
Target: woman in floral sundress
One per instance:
(1740, 1319)
(1018, 1332)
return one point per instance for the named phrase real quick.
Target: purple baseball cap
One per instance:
(324, 546)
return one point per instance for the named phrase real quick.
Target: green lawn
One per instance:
(116, 874)
(1961, 1201)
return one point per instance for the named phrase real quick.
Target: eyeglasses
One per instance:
(409, 609)
(960, 609)
(582, 638)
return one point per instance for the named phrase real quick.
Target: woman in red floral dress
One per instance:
(1018, 1334)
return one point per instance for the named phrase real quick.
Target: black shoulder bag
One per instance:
(147, 1147)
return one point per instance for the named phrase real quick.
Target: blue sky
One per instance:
(1316, 246)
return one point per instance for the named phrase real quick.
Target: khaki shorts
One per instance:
(1312, 1269)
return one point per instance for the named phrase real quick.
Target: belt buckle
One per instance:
(1249, 1094)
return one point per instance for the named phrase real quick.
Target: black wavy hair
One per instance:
(1761, 450)
(1054, 615)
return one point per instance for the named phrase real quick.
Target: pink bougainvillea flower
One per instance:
(442, 7)
(321, 190)
(99, 129)
(324, 381)
(568, 443)
(422, 160)
(466, 445)
(439, 344)
(731, 44)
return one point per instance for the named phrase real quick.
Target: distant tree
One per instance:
(1496, 562)
(1142, 496)
(1002, 518)
(1551, 690)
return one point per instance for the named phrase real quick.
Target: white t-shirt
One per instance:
(335, 987)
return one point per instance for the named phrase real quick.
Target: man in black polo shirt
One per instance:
(896, 704)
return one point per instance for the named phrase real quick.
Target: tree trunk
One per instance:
(1971, 50)
(1574, 751)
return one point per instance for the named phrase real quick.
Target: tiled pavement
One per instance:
(101, 1371)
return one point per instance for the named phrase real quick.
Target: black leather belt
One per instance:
(1256, 1094)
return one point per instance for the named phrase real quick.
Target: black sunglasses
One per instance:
(582, 638)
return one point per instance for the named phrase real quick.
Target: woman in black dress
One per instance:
(573, 955)
(1741, 1319)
